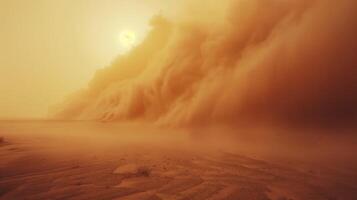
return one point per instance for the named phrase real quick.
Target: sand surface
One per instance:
(82, 160)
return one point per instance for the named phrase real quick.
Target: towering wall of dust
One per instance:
(233, 62)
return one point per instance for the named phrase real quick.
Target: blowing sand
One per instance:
(85, 160)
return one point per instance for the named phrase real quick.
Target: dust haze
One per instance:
(236, 62)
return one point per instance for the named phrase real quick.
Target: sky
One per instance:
(51, 48)
(231, 62)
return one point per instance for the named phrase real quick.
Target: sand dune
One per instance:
(72, 165)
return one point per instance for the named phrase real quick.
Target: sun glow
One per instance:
(127, 39)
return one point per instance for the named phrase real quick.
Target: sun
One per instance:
(127, 39)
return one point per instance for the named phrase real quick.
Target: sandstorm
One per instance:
(230, 99)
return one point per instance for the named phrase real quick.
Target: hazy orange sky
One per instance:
(200, 62)
(50, 48)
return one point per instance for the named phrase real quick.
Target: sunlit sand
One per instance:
(88, 160)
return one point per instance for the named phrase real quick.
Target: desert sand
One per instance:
(88, 160)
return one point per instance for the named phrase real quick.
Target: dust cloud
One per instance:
(233, 63)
